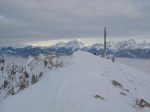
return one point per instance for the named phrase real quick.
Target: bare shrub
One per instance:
(115, 83)
(142, 103)
(122, 93)
(99, 97)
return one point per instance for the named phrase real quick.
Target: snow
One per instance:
(15, 59)
(73, 87)
(141, 64)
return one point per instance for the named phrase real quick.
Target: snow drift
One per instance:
(86, 83)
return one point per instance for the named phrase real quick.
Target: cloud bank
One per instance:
(22, 20)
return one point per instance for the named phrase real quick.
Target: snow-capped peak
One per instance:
(121, 45)
(75, 44)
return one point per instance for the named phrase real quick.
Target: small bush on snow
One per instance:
(34, 79)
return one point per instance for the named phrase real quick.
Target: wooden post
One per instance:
(105, 34)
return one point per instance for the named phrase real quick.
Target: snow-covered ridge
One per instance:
(15, 78)
(86, 83)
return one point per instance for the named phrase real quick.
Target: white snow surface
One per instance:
(73, 87)
(141, 64)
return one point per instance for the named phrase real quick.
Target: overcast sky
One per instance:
(22, 20)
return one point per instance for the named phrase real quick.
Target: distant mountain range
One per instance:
(129, 48)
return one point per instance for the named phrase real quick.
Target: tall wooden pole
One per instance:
(105, 34)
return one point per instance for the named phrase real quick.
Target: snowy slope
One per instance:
(73, 88)
(141, 64)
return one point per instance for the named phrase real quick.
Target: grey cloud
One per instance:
(53, 19)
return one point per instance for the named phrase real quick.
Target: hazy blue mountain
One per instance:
(130, 48)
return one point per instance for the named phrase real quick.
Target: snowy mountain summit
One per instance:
(86, 83)
(74, 44)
